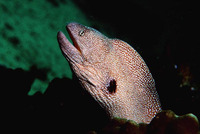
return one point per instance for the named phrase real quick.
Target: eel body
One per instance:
(112, 72)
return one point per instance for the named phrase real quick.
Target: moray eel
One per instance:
(112, 72)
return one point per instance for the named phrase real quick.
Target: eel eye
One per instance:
(112, 86)
(81, 32)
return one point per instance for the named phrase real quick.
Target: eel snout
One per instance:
(70, 52)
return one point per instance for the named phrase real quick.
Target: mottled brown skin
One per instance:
(112, 72)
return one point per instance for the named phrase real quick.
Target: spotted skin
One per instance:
(112, 72)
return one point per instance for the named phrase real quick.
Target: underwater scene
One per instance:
(41, 93)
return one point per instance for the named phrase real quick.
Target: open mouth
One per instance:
(73, 39)
(71, 52)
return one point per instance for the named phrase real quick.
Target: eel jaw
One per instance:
(74, 56)
(70, 52)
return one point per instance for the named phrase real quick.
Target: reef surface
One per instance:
(165, 122)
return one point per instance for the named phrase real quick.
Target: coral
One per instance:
(165, 122)
(28, 37)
